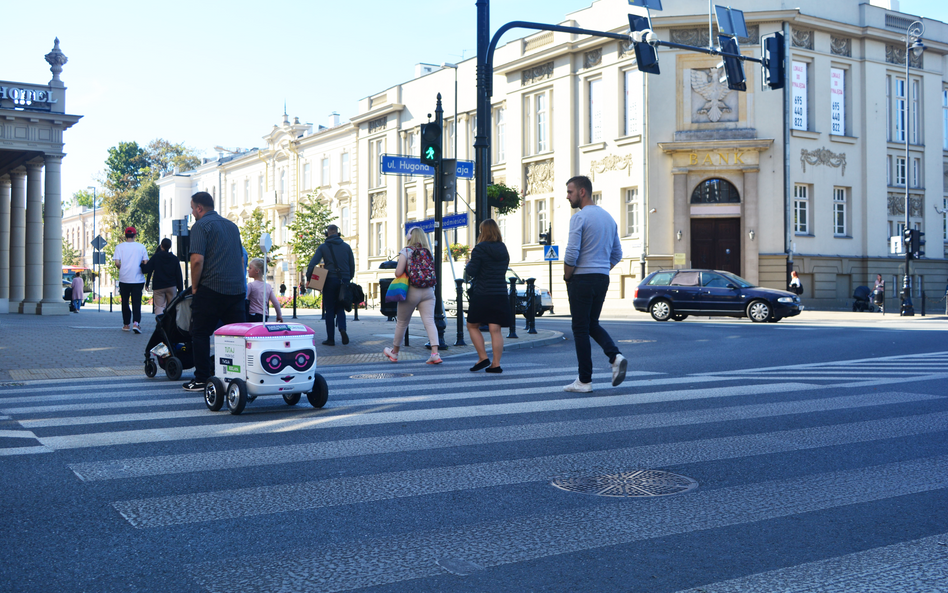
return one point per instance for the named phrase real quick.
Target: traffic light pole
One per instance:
(438, 187)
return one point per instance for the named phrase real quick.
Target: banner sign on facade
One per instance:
(799, 119)
(838, 101)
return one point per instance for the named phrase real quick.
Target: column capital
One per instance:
(51, 158)
(18, 172)
(34, 164)
(5, 180)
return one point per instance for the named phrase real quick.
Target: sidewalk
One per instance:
(92, 344)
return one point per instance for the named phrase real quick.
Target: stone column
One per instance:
(34, 238)
(751, 222)
(682, 216)
(4, 244)
(53, 303)
(17, 236)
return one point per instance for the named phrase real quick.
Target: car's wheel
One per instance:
(236, 396)
(214, 394)
(151, 368)
(540, 313)
(679, 316)
(291, 399)
(320, 392)
(774, 319)
(661, 310)
(173, 368)
(759, 311)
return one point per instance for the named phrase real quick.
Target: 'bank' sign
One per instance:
(26, 96)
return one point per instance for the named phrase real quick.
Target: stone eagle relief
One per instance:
(716, 106)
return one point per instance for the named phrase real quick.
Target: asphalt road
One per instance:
(815, 453)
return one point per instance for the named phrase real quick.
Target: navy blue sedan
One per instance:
(676, 294)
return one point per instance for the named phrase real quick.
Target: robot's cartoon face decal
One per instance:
(274, 362)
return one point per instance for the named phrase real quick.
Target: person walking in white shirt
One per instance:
(129, 257)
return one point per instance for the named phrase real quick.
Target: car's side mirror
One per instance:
(732, 287)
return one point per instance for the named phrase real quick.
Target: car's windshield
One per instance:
(740, 282)
(512, 274)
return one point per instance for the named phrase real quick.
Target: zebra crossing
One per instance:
(441, 441)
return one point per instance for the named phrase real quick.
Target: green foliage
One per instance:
(70, 255)
(503, 199)
(127, 166)
(308, 228)
(80, 198)
(250, 236)
(164, 156)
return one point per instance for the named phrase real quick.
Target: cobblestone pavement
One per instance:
(92, 343)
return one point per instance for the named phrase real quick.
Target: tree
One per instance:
(165, 156)
(128, 165)
(80, 198)
(308, 228)
(70, 255)
(250, 236)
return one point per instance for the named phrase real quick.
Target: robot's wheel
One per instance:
(291, 399)
(320, 392)
(214, 394)
(236, 396)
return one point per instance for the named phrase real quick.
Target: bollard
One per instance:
(513, 307)
(923, 303)
(460, 311)
(531, 306)
(355, 309)
(110, 302)
(294, 302)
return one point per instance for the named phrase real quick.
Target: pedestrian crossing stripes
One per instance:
(417, 467)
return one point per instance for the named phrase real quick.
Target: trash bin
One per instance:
(390, 310)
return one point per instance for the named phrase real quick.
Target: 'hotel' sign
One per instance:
(26, 96)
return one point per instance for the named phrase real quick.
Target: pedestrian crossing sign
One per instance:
(552, 253)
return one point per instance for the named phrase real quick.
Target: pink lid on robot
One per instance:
(264, 330)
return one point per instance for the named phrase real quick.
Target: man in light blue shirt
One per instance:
(592, 251)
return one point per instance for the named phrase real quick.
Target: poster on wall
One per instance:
(838, 101)
(799, 119)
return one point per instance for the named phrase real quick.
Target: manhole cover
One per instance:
(381, 376)
(640, 482)
(12, 384)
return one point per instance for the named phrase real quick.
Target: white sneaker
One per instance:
(578, 386)
(390, 354)
(619, 366)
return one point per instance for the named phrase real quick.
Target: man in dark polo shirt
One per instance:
(217, 282)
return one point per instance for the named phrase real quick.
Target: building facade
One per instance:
(32, 121)
(695, 174)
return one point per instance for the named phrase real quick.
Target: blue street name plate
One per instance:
(452, 221)
(409, 165)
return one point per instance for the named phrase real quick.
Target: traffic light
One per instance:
(546, 238)
(449, 178)
(733, 67)
(646, 56)
(431, 144)
(908, 238)
(772, 68)
(918, 244)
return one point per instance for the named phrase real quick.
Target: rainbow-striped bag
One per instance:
(397, 290)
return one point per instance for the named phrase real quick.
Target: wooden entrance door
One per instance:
(716, 244)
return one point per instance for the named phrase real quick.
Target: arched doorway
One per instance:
(716, 241)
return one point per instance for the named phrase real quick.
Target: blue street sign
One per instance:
(552, 253)
(452, 221)
(394, 164)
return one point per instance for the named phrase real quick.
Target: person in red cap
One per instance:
(129, 257)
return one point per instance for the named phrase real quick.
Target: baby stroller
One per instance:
(861, 296)
(170, 345)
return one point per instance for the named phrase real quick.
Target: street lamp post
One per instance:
(914, 45)
(456, 132)
(95, 260)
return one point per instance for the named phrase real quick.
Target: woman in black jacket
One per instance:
(487, 298)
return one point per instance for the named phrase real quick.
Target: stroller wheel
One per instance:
(236, 396)
(151, 368)
(320, 392)
(173, 368)
(214, 394)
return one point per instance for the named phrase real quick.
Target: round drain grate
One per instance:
(635, 483)
(381, 376)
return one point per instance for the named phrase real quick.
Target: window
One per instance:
(838, 101)
(379, 236)
(900, 171)
(344, 221)
(500, 138)
(633, 90)
(307, 176)
(839, 211)
(259, 187)
(944, 119)
(888, 108)
(233, 195)
(376, 150)
(411, 145)
(800, 210)
(450, 132)
(543, 220)
(324, 172)
(800, 119)
(246, 191)
(597, 198)
(537, 123)
(888, 169)
(899, 110)
(344, 167)
(916, 172)
(715, 191)
(527, 221)
(282, 183)
(594, 133)
(916, 132)
(631, 212)
(944, 219)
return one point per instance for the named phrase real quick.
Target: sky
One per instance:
(209, 73)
